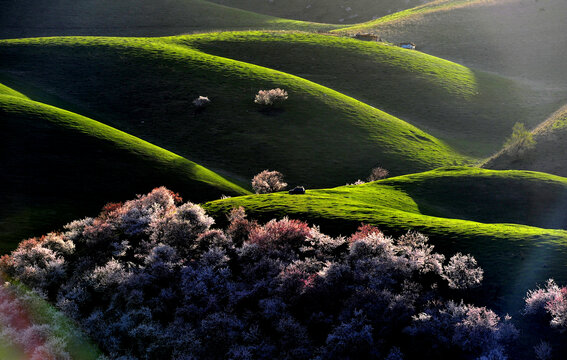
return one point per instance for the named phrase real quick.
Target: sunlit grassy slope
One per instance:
(145, 87)
(132, 18)
(548, 154)
(469, 109)
(520, 38)
(57, 166)
(491, 214)
(327, 11)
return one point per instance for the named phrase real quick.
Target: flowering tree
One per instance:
(151, 278)
(378, 173)
(270, 97)
(268, 182)
(551, 300)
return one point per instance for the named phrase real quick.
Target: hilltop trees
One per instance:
(151, 278)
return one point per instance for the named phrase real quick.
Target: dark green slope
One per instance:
(131, 18)
(549, 153)
(328, 11)
(145, 87)
(57, 166)
(471, 110)
(518, 38)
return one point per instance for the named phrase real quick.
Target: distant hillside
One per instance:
(549, 154)
(145, 87)
(483, 212)
(519, 38)
(471, 110)
(327, 11)
(56, 166)
(131, 18)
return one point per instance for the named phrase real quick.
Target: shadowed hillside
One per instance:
(549, 153)
(518, 38)
(57, 166)
(145, 87)
(131, 18)
(327, 11)
(471, 110)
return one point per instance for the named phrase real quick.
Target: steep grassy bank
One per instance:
(471, 110)
(518, 38)
(548, 154)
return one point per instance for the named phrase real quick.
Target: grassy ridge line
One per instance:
(514, 256)
(5, 90)
(432, 7)
(122, 141)
(324, 10)
(454, 103)
(337, 126)
(134, 18)
(454, 78)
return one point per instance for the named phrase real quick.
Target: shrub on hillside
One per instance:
(270, 97)
(378, 173)
(268, 181)
(201, 102)
(551, 302)
(151, 278)
(520, 140)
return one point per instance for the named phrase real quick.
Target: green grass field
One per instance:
(471, 110)
(58, 166)
(319, 137)
(133, 18)
(498, 216)
(515, 38)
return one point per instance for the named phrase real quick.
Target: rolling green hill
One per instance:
(517, 38)
(57, 166)
(549, 153)
(145, 87)
(132, 18)
(326, 11)
(490, 214)
(471, 110)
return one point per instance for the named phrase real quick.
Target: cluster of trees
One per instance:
(151, 279)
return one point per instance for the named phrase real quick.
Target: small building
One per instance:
(408, 45)
(367, 37)
(298, 190)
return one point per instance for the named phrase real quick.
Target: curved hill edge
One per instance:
(135, 18)
(124, 141)
(404, 147)
(400, 16)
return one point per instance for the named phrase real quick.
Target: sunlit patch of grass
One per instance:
(495, 215)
